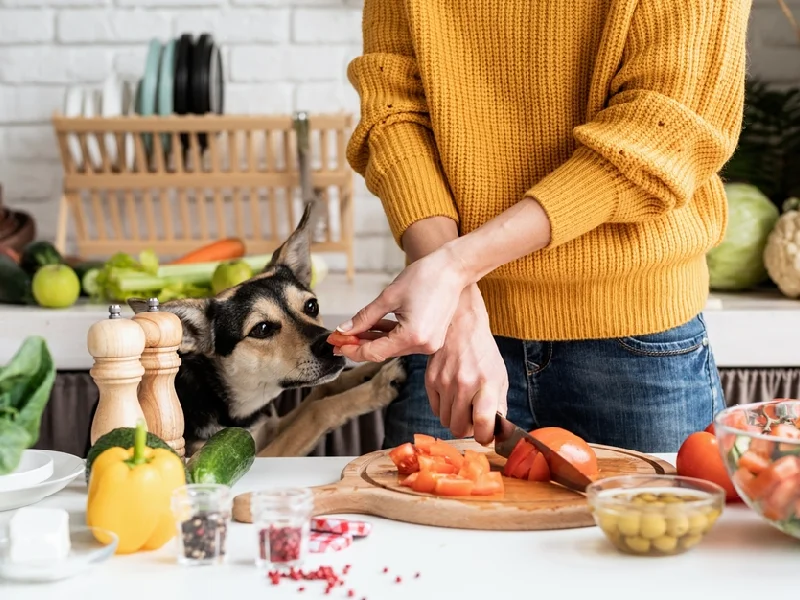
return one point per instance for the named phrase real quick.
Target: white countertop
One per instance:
(755, 329)
(741, 558)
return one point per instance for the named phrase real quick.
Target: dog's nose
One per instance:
(321, 348)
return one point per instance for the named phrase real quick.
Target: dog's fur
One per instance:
(248, 344)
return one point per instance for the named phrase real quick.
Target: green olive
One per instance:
(648, 497)
(665, 543)
(712, 517)
(630, 523)
(669, 498)
(691, 540)
(697, 524)
(677, 525)
(638, 501)
(638, 544)
(653, 525)
(607, 521)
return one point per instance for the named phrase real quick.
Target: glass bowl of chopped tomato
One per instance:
(760, 446)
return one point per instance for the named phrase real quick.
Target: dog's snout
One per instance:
(320, 347)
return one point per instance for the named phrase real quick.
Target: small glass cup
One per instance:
(283, 522)
(202, 514)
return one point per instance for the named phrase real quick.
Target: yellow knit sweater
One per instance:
(615, 115)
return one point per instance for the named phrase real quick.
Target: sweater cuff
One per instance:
(580, 195)
(413, 189)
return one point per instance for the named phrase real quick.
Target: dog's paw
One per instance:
(391, 376)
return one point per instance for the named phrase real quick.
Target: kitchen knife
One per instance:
(506, 437)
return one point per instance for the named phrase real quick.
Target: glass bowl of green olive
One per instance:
(655, 515)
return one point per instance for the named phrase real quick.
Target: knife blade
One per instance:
(507, 435)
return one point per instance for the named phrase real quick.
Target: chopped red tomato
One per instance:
(425, 482)
(448, 485)
(754, 463)
(470, 470)
(423, 442)
(340, 339)
(435, 464)
(442, 448)
(779, 505)
(489, 484)
(765, 483)
(409, 480)
(405, 459)
(763, 447)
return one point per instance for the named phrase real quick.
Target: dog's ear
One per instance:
(295, 252)
(196, 318)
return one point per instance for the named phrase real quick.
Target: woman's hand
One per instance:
(423, 298)
(466, 379)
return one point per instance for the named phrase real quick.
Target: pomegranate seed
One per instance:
(385, 569)
(301, 589)
(397, 579)
(351, 593)
(416, 575)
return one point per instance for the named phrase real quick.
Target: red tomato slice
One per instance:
(425, 482)
(523, 468)
(423, 442)
(409, 480)
(489, 484)
(452, 485)
(763, 447)
(441, 448)
(430, 463)
(755, 463)
(518, 454)
(779, 505)
(540, 470)
(340, 339)
(405, 459)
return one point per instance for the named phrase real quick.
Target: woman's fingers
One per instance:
(485, 405)
(368, 317)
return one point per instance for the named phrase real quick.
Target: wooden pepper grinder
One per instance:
(157, 396)
(116, 344)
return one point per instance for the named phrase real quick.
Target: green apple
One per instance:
(55, 286)
(230, 274)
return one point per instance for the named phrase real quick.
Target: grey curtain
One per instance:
(68, 416)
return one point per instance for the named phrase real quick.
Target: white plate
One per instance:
(85, 551)
(91, 107)
(34, 467)
(111, 106)
(66, 467)
(129, 108)
(73, 107)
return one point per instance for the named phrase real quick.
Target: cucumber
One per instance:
(121, 437)
(87, 274)
(224, 458)
(15, 283)
(39, 254)
(740, 446)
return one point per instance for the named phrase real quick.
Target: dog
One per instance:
(243, 347)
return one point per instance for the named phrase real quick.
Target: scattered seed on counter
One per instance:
(397, 579)
(204, 536)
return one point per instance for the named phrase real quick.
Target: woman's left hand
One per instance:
(423, 298)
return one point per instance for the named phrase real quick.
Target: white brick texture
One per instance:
(279, 56)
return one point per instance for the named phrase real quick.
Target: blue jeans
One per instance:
(645, 393)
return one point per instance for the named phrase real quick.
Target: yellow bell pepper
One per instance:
(129, 494)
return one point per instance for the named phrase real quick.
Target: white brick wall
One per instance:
(280, 55)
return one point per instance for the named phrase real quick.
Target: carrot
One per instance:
(219, 250)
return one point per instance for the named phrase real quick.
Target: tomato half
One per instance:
(489, 484)
(404, 458)
(340, 339)
(451, 485)
(571, 447)
(699, 457)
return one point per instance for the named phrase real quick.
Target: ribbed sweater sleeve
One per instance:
(672, 121)
(393, 145)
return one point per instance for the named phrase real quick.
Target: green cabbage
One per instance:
(737, 263)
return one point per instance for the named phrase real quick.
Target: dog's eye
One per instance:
(264, 330)
(311, 307)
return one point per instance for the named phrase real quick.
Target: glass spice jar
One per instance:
(202, 514)
(282, 519)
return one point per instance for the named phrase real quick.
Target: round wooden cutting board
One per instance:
(370, 485)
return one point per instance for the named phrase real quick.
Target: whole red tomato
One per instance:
(699, 457)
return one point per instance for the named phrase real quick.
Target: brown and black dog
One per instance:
(251, 342)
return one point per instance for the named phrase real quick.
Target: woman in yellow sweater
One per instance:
(551, 171)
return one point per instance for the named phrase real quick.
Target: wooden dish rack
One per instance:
(171, 184)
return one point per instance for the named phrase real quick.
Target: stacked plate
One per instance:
(40, 473)
(182, 76)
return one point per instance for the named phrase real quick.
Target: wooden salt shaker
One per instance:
(116, 344)
(157, 396)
